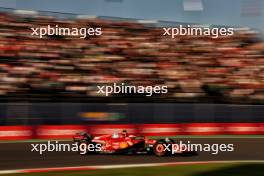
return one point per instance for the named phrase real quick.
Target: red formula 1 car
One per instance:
(121, 143)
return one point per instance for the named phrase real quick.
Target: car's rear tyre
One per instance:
(159, 149)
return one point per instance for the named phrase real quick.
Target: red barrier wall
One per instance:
(202, 129)
(160, 129)
(59, 132)
(109, 129)
(243, 128)
(67, 131)
(16, 132)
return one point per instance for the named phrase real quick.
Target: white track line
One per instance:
(78, 168)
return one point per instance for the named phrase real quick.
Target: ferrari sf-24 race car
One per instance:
(123, 143)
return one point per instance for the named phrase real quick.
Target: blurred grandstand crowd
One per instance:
(66, 68)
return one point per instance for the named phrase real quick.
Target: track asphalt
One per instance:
(19, 155)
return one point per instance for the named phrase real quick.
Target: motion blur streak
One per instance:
(38, 170)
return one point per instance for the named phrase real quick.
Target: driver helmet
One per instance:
(124, 133)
